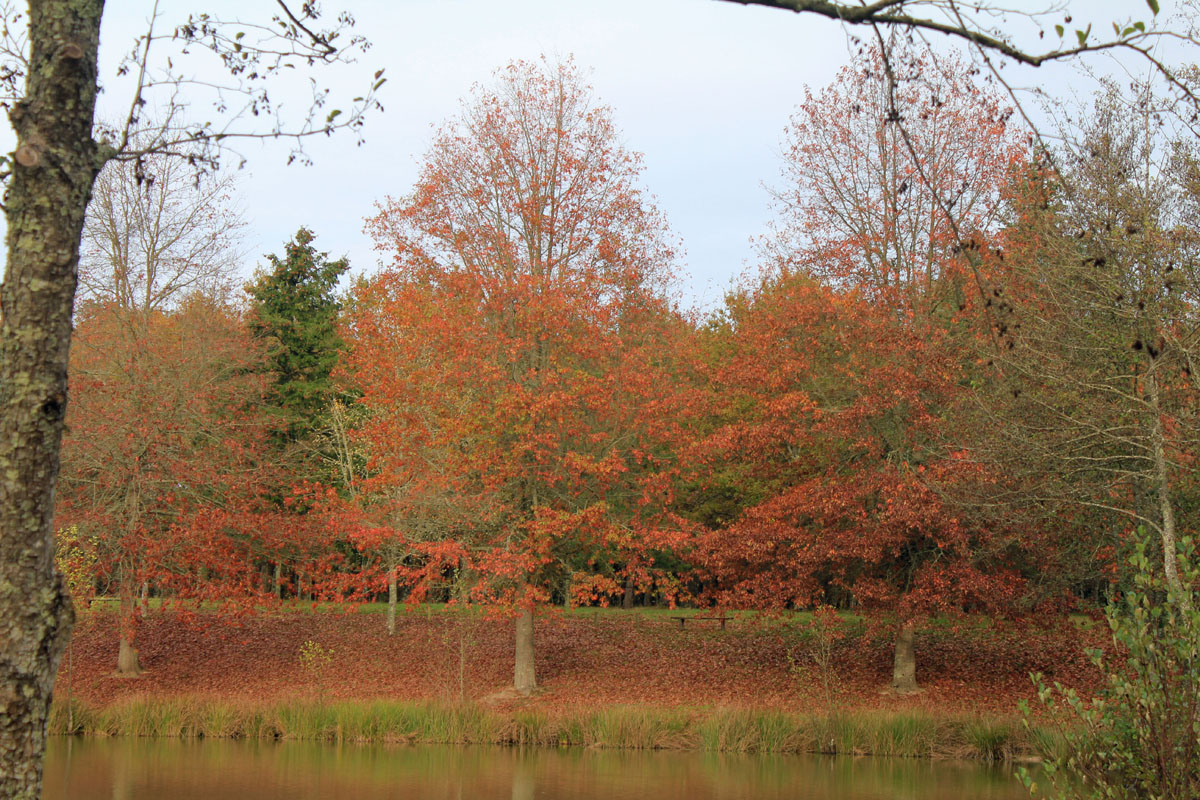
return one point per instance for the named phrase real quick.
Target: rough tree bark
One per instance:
(524, 679)
(55, 163)
(904, 665)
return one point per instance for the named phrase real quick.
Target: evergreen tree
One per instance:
(295, 310)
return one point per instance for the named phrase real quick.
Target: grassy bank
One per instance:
(881, 733)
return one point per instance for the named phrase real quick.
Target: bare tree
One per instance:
(868, 204)
(48, 83)
(153, 235)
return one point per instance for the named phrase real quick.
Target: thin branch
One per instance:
(315, 38)
(891, 12)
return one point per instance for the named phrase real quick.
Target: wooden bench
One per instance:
(721, 618)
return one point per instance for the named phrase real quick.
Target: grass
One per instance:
(631, 727)
(931, 625)
(104, 602)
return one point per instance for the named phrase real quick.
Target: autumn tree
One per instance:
(837, 371)
(154, 240)
(163, 464)
(50, 81)
(870, 203)
(836, 414)
(494, 352)
(1095, 386)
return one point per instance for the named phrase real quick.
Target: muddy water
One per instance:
(155, 769)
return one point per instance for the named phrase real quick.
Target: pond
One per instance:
(166, 769)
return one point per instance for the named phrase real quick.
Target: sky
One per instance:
(702, 89)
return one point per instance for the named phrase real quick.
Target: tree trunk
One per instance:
(462, 666)
(904, 666)
(524, 679)
(627, 601)
(279, 580)
(391, 617)
(70, 685)
(55, 163)
(1162, 481)
(127, 657)
(127, 654)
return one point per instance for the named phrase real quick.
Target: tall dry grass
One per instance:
(910, 734)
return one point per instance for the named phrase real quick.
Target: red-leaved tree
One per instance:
(884, 176)
(838, 419)
(163, 462)
(841, 369)
(517, 408)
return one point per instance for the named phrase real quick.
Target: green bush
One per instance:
(1140, 737)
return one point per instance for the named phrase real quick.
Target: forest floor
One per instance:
(584, 659)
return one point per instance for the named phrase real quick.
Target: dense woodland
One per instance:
(960, 380)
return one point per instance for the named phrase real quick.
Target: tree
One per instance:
(1096, 378)
(836, 416)
(158, 250)
(295, 311)
(51, 78)
(153, 235)
(493, 353)
(840, 368)
(869, 203)
(164, 465)
(852, 438)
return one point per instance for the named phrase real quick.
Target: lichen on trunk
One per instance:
(52, 174)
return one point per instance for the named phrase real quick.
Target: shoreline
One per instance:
(859, 732)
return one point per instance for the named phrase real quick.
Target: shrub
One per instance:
(1140, 737)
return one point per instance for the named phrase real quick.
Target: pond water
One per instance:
(163, 769)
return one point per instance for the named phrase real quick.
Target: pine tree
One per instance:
(295, 310)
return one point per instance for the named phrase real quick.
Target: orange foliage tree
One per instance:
(838, 373)
(838, 415)
(163, 459)
(518, 406)
(882, 179)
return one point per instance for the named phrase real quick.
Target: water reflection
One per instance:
(150, 769)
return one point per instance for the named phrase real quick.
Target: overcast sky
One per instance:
(702, 89)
